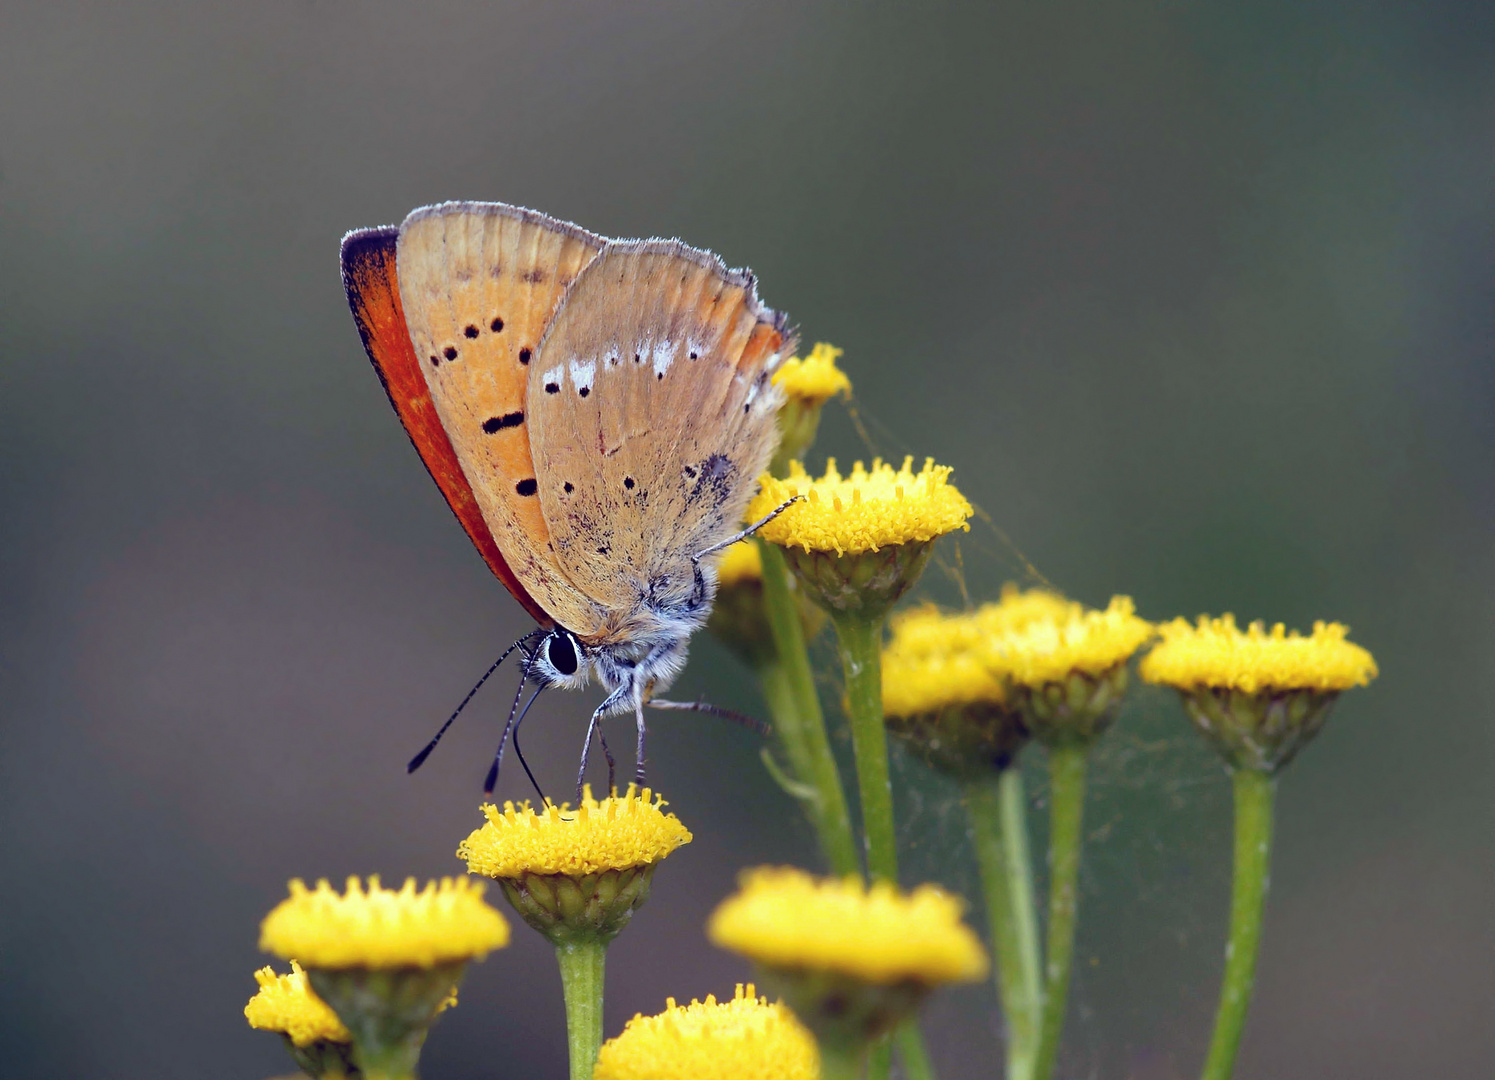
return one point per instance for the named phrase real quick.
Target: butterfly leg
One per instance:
(638, 712)
(698, 596)
(610, 703)
(752, 723)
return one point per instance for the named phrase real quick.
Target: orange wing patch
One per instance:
(371, 281)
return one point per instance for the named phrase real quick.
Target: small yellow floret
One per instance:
(384, 928)
(865, 511)
(815, 378)
(1216, 654)
(616, 833)
(1088, 641)
(285, 1003)
(739, 563)
(743, 1039)
(783, 917)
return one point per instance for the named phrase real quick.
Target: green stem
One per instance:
(998, 813)
(1067, 762)
(860, 641)
(839, 1061)
(789, 687)
(912, 1051)
(1253, 853)
(582, 964)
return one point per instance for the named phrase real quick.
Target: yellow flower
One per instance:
(1048, 650)
(785, 918)
(616, 833)
(742, 562)
(285, 1003)
(815, 378)
(927, 630)
(384, 928)
(914, 685)
(1215, 654)
(743, 1039)
(866, 511)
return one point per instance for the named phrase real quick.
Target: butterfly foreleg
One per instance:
(611, 702)
(698, 596)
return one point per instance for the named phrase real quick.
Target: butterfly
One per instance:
(596, 413)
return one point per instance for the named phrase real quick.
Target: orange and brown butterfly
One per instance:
(596, 413)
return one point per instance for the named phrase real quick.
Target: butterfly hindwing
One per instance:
(371, 282)
(651, 409)
(480, 283)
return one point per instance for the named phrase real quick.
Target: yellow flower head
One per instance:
(285, 1003)
(742, 1039)
(616, 833)
(866, 511)
(928, 631)
(742, 562)
(1048, 650)
(785, 918)
(815, 378)
(1215, 654)
(376, 927)
(914, 685)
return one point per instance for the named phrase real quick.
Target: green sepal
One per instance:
(587, 908)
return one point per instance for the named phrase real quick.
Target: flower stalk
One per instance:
(1067, 766)
(997, 807)
(582, 964)
(859, 640)
(1254, 790)
(789, 688)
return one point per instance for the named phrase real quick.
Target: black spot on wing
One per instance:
(498, 423)
(568, 487)
(584, 391)
(471, 331)
(527, 487)
(534, 277)
(524, 355)
(628, 482)
(450, 352)
(552, 388)
(496, 325)
(714, 484)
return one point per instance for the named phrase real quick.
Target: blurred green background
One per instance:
(1196, 297)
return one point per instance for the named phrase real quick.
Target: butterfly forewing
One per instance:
(480, 282)
(369, 278)
(651, 411)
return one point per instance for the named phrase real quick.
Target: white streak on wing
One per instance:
(583, 372)
(774, 360)
(751, 394)
(664, 356)
(552, 376)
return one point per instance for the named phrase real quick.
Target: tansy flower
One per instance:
(859, 542)
(814, 378)
(1068, 672)
(927, 629)
(384, 928)
(807, 384)
(576, 873)
(1217, 655)
(285, 1003)
(949, 709)
(785, 918)
(852, 961)
(385, 961)
(743, 1039)
(1259, 696)
(865, 511)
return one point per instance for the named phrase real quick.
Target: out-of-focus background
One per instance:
(1196, 298)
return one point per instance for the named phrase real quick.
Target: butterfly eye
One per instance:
(561, 653)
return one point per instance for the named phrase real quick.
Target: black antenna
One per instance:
(419, 759)
(529, 662)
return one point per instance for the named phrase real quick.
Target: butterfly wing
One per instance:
(652, 411)
(371, 282)
(479, 283)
